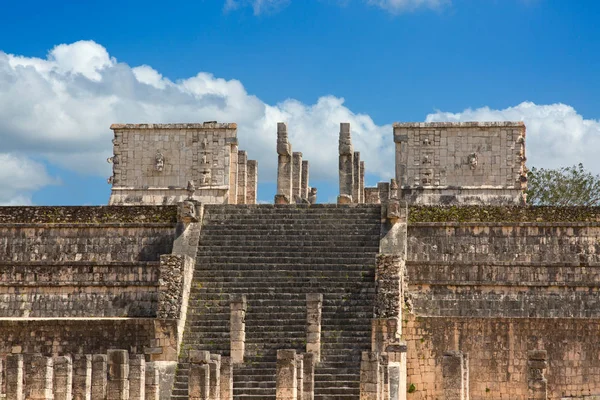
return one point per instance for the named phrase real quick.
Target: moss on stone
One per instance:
(502, 214)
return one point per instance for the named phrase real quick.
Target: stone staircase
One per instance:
(275, 255)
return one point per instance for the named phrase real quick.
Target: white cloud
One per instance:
(19, 177)
(60, 109)
(399, 6)
(556, 134)
(258, 6)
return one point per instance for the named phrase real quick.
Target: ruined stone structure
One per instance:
(387, 295)
(292, 173)
(162, 164)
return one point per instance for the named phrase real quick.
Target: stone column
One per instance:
(118, 375)
(82, 377)
(356, 177)
(99, 373)
(215, 377)
(453, 376)
(304, 184)
(226, 378)
(251, 181)
(314, 306)
(346, 165)
(369, 376)
(199, 375)
(151, 382)
(299, 375)
(38, 377)
(287, 381)
(397, 370)
(284, 166)
(308, 381)
(238, 328)
(384, 376)
(361, 182)
(63, 378)
(296, 175)
(242, 177)
(137, 377)
(14, 376)
(537, 362)
(233, 174)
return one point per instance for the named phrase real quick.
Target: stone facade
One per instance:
(400, 298)
(465, 163)
(169, 163)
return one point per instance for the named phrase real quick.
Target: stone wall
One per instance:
(470, 163)
(88, 335)
(498, 355)
(497, 283)
(155, 163)
(82, 261)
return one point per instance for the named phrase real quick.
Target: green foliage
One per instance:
(412, 388)
(567, 186)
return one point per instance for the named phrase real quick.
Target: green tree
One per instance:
(567, 186)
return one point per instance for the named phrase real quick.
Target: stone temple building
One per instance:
(440, 284)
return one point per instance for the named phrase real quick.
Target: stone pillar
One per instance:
(63, 378)
(466, 378)
(151, 382)
(118, 375)
(314, 306)
(299, 376)
(233, 174)
(251, 181)
(137, 377)
(397, 370)
(238, 328)
(284, 166)
(453, 375)
(242, 177)
(82, 377)
(14, 376)
(369, 376)
(226, 378)
(346, 165)
(199, 375)
(287, 381)
(384, 362)
(356, 177)
(361, 182)
(215, 377)
(308, 378)
(296, 175)
(38, 377)
(304, 184)
(99, 373)
(394, 373)
(537, 362)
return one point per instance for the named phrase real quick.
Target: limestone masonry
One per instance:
(440, 284)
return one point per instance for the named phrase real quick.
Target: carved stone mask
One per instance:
(473, 160)
(159, 161)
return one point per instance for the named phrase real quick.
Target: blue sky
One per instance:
(312, 64)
